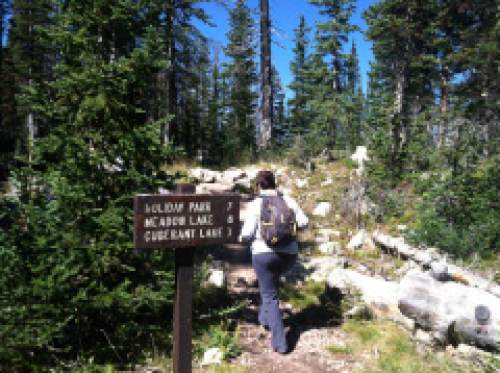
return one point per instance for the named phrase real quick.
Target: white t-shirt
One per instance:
(251, 225)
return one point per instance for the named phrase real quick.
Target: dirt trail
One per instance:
(308, 333)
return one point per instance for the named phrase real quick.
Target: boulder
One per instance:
(319, 268)
(251, 172)
(456, 312)
(322, 209)
(212, 356)
(214, 188)
(357, 240)
(329, 248)
(203, 175)
(244, 184)
(232, 175)
(327, 181)
(360, 156)
(380, 295)
(301, 183)
(217, 278)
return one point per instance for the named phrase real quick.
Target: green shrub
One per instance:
(459, 212)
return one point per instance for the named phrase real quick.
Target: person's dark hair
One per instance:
(265, 180)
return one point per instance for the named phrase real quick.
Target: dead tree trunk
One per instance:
(170, 130)
(266, 79)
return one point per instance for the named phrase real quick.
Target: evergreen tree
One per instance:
(353, 101)
(281, 130)
(400, 32)
(74, 281)
(477, 59)
(299, 118)
(333, 33)
(31, 65)
(214, 116)
(183, 41)
(266, 107)
(323, 102)
(240, 130)
(6, 135)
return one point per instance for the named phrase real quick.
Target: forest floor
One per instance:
(320, 337)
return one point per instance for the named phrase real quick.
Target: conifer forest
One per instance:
(102, 100)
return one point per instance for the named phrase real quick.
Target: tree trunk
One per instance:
(170, 130)
(266, 79)
(397, 117)
(443, 105)
(2, 14)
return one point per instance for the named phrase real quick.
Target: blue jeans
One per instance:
(269, 267)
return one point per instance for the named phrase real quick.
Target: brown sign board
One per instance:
(185, 220)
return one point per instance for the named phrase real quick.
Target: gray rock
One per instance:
(357, 240)
(301, 183)
(451, 310)
(439, 271)
(423, 337)
(360, 312)
(217, 278)
(214, 188)
(322, 209)
(212, 356)
(329, 248)
(204, 175)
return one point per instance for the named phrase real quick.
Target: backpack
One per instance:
(278, 226)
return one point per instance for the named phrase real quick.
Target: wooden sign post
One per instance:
(184, 221)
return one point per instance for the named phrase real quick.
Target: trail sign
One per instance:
(184, 221)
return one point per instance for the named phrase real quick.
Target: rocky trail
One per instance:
(357, 270)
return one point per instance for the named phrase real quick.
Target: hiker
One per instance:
(270, 225)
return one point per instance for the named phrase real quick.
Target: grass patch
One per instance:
(383, 347)
(224, 368)
(225, 336)
(304, 296)
(364, 254)
(365, 332)
(340, 349)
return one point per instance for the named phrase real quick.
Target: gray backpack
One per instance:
(278, 225)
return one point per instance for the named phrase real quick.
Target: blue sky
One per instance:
(285, 18)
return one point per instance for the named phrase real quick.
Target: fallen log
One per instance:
(455, 312)
(451, 312)
(431, 258)
(380, 295)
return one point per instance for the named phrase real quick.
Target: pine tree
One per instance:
(353, 100)
(333, 34)
(214, 117)
(400, 32)
(281, 130)
(477, 59)
(323, 104)
(6, 139)
(74, 281)
(31, 64)
(299, 118)
(182, 42)
(266, 107)
(240, 130)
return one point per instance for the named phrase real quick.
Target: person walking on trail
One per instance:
(270, 225)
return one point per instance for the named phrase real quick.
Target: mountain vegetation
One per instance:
(99, 99)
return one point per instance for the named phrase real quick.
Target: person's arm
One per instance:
(302, 219)
(250, 224)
